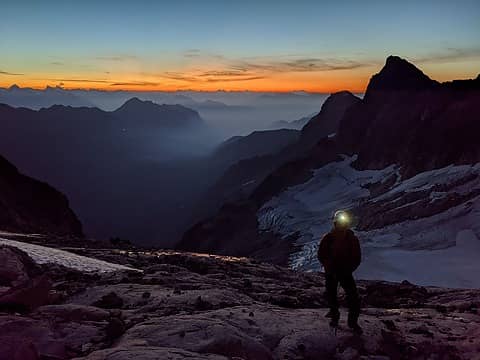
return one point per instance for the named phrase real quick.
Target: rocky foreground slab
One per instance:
(191, 306)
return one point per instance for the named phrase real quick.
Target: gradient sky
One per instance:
(257, 45)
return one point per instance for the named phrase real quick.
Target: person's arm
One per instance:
(323, 251)
(356, 252)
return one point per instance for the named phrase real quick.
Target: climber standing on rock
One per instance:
(339, 253)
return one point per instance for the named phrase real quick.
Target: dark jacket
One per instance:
(339, 251)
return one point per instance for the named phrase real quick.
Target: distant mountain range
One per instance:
(109, 100)
(258, 143)
(402, 159)
(138, 114)
(120, 169)
(228, 113)
(133, 172)
(294, 124)
(242, 177)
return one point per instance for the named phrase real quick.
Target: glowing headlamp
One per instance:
(342, 217)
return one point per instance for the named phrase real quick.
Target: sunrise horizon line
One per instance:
(40, 88)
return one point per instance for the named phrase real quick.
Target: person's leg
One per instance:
(353, 301)
(331, 285)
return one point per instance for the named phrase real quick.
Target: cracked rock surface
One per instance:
(191, 306)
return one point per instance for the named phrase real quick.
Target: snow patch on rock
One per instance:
(44, 255)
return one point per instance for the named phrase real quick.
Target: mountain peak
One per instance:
(394, 60)
(135, 101)
(327, 121)
(399, 74)
(135, 104)
(148, 113)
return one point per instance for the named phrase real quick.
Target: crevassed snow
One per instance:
(428, 179)
(308, 208)
(438, 250)
(44, 255)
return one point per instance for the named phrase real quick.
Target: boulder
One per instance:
(23, 288)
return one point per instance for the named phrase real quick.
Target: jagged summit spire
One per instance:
(399, 74)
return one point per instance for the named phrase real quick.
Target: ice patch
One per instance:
(45, 255)
(428, 179)
(402, 251)
(308, 208)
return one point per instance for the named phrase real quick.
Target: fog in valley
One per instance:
(137, 169)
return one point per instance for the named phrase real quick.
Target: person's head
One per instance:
(341, 220)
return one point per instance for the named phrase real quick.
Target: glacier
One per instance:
(440, 250)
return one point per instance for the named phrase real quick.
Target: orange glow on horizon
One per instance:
(271, 88)
(281, 83)
(354, 80)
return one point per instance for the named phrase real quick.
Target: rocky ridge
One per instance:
(405, 120)
(184, 306)
(30, 205)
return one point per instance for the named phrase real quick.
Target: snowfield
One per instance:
(44, 255)
(442, 249)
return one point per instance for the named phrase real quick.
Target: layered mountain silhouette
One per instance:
(136, 113)
(326, 123)
(108, 163)
(405, 119)
(241, 178)
(33, 98)
(31, 206)
(258, 143)
(295, 124)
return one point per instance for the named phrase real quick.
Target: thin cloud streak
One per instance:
(211, 68)
(135, 83)
(192, 53)
(251, 69)
(236, 79)
(450, 55)
(109, 82)
(234, 72)
(178, 76)
(10, 73)
(211, 77)
(283, 63)
(117, 58)
(80, 80)
(301, 65)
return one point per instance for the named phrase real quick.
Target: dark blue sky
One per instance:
(258, 45)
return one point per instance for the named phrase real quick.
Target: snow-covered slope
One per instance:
(424, 229)
(44, 255)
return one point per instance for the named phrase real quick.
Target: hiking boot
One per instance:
(332, 314)
(334, 323)
(355, 327)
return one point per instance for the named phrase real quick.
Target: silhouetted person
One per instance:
(339, 253)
